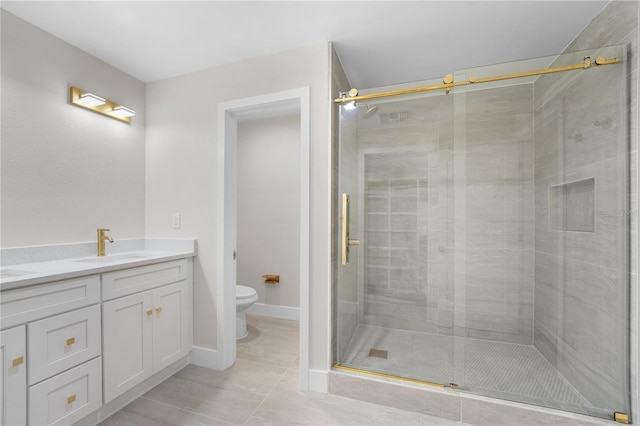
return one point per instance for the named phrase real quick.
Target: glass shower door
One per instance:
(489, 235)
(542, 234)
(395, 293)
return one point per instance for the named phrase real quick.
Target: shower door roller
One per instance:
(346, 241)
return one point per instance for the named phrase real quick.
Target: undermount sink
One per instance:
(12, 273)
(114, 258)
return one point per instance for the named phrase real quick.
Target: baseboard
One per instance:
(275, 311)
(205, 357)
(319, 381)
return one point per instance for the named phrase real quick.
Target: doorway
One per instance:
(229, 115)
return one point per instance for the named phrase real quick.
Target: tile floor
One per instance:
(260, 389)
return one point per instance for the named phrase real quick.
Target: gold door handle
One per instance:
(150, 312)
(17, 361)
(159, 309)
(71, 399)
(346, 241)
(71, 341)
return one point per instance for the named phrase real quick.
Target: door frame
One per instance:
(229, 114)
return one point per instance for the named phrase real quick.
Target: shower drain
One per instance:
(378, 353)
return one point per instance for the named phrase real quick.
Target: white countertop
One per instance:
(53, 263)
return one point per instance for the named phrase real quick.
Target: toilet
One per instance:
(245, 297)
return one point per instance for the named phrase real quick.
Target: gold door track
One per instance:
(388, 376)
(448, 83)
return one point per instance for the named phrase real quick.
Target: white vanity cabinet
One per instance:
(146, 324)
(70, 346)
(51, 358)
(13, 380)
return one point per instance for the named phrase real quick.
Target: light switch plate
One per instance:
(176, 221)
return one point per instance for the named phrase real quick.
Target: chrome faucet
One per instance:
(101, 239)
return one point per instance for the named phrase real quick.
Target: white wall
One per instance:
(66, 171)
(268, 208)
(181, 177)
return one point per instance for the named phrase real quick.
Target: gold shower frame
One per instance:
(448, 83)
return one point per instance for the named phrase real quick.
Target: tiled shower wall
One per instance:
(498, 287)
(580, 283)
(405, 163)
(411, 186)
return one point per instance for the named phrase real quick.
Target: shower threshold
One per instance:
(387, 376)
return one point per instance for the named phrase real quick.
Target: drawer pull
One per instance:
(71, 399)
(159, 309)
(17, 361)
(149, 312)
(71, 341)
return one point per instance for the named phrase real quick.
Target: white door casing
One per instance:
(229, 114)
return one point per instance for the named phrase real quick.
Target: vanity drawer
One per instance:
(67, 397)
(64, 341)
(33, 303)
(128, 281)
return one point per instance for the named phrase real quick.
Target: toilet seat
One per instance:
(244, 292)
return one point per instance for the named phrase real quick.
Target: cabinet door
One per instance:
(171, 325)
(127, 342)
(13, 380)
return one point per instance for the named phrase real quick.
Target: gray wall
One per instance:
(66, 171)
(498, 283)
(405, 166)
(580, 283)
(181, 175)
(269, 208)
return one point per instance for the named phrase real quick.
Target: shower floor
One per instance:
(505, 370)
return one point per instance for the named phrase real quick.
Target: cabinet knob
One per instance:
(71, 399)
(149, 312)
(71, 341)
(17, 361)
(159, 309)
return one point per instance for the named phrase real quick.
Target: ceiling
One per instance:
(379, 42)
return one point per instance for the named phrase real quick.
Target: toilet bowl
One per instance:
(245, 297)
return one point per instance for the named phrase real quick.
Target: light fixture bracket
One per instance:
(109, 108)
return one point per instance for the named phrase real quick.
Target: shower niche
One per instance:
(488, 259)
(572, 206)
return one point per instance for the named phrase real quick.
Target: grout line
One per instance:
(286, 370)
(267, 396)
(268, 364)
(184, 409)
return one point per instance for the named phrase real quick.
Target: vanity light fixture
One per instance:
(87, 100)
(122, 111)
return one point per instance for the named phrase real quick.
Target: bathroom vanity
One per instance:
(82, 337)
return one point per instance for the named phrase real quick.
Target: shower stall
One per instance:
(486, 232)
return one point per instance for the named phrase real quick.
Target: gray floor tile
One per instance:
(270, 340)
(287, 405)
(262, 388)
(231, 405)
(146, 412)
